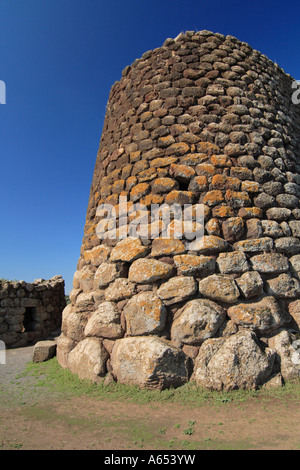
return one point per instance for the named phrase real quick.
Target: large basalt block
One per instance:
(149, 362)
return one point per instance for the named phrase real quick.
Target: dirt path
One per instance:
(33, 419)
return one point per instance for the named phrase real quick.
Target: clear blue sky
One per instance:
(59, 59)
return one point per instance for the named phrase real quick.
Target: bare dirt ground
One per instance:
(42, 420)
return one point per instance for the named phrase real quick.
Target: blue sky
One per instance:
(59, 59)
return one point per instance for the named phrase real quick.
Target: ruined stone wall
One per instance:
(30, 311)
(204, 119)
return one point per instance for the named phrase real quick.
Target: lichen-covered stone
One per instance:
(219, 287)
(250, 284)
(232, 262)
(167, 247)
(120, 289)
(192, 265)
(264, 316)
(145, 314)
(106, 273)
(233, 362)
(287, 245)
(104, 322)
(177, 289)
(197, 321)
(143, 271)
(270, 263)
(233, 229)
(283, 287)
(209, 245)
(254, 245)
(128, 250)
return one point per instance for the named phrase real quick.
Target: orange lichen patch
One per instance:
(225, 182)
(113, 199)
(90, 230)
(184, 229)
(164, 185)
(163, 161)
(206, 169)
(190, 138)
(178, 149)
(221, 161)
(233, 183)
(194, 159)
(152, 199)
(115, 174)
(213, 227)
(147, 175)
(139, 191)
(97, 255)
(106, 190)
(135, 156)
(144, 313)
(222, 211)
(188, 264)
(263, 316)
(165, 141)
(180, 197)
(131, 182)
(128, 250)
(213, 198)
(199, 183)
(118, 186)
(149, 270)
(219, 181)
(208, 148)
(182, 172)
(167, 247)
(209, 244)
(250, 186)
(237, 198)
(250, 212)
(255, 245)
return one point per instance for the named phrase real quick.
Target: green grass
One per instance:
(50, 375)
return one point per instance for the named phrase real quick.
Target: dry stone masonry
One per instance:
(204, 119)
(30, 311)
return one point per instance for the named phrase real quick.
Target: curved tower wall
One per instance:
(203, 121)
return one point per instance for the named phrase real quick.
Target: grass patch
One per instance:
(50, 375)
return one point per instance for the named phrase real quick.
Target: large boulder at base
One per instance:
(287, 346)
(235, 362)
(63, 349)
(149, 362)
(88, 359)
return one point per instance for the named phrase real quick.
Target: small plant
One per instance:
(188, 431)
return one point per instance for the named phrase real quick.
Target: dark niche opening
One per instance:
(29, 322)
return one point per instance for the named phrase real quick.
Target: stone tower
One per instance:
(203, 121)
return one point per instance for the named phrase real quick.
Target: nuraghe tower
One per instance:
(206, 121)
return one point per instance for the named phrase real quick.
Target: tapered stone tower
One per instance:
(203, 121)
